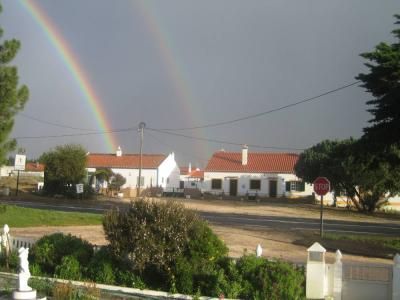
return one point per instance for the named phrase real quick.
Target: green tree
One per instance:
(64, 167)
(12, 97)
(383, 82)
(117, 180)
(364, 177)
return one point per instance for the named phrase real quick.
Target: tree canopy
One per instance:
(12, 96)
(383, 82)
(364, 177)
(65, 166)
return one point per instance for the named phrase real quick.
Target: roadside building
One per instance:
(158, 170)
(191, 178)
(247, 173)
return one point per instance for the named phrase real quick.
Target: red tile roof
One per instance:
(34, 167)
(184, 170)
(197, 174)
(126, 161)
(256, 163)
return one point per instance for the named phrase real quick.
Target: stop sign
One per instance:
(321, 186)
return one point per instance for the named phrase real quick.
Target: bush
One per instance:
(69, 268)
(49, 251)
(263, 279)
(102, 266)
(12, 259)
(168, 245)
(157, 233)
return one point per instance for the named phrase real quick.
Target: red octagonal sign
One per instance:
(321, 186)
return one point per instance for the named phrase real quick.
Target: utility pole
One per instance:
(142, 125)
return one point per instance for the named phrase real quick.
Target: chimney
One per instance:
(245, 151)
(190, 168)
(119, 151)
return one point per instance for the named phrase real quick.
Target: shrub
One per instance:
(69, 268)
(157, 233)
(263, 279)
(102, 266)
(49, 251)
(168, 245)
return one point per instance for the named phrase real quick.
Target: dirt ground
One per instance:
(275, 243)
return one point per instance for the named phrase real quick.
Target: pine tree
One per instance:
(12, 97)
(383, 82)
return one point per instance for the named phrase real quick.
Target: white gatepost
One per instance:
(316, 283)
(396, 278)
(337, 276)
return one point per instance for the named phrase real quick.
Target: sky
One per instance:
(179, 64)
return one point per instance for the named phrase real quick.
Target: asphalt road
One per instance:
(246, 220)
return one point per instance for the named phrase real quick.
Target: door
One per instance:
(233, 185)
(273, 184)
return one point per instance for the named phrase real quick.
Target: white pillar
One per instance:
(396, 278)
(316, 281)
(337, 276)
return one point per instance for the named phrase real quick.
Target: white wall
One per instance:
(244, 183)
(169, 172)
(6, 170)
(131, 176)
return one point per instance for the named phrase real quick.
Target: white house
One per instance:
(158, 170)
(254, 173)
(191, 179)
(31, 169)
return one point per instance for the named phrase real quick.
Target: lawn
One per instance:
(367, 245)
(26, 217)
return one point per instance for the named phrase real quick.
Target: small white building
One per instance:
(254, 173)
(191, 179)
(158, 170)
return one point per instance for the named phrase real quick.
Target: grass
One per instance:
(366, 245)
(387, 242)
(26, 217)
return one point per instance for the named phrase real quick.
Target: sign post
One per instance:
(321, 187)
(19, 165)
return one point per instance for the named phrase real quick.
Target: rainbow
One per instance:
(76, 70)
(172, 66)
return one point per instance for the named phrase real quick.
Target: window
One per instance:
(193, 183)
(216, 184)
(255, 184)
(141, 180)
(298, 186)
(167, 180)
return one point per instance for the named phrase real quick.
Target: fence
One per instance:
(350, 281)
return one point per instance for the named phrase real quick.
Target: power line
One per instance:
(52, 123)
(75, 134)
(186, 154)
(216, 124)
(221, 141)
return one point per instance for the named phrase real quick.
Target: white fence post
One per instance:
(396, 278)
(316, 283)
(337, 276)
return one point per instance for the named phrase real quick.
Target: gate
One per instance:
(367, 282)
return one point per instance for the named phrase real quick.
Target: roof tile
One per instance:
(126, 161)
(257, 162)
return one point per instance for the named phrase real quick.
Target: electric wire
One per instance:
(252, 116)
(223, 141)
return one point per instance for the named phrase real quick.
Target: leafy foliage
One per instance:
(383, 82)
(12, 97)
(51, 251)
(117, 180)
(368, 179)
(64, 168)
(263, 279)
